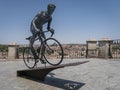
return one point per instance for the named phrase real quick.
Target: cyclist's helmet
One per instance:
(51, 8)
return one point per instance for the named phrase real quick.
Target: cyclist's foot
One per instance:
(43, 61)
(37, 61)
(38, 49)
(28, 60)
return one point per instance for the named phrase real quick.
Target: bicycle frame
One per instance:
(40, 36)
(43, 45)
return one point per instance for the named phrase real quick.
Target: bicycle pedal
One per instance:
(36, 57)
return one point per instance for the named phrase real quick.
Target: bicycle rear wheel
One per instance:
(53, 51)
(28, 58)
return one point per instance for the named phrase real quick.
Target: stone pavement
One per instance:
(97, 74)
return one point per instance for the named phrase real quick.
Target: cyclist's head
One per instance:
(51, 8)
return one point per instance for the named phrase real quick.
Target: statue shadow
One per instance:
(59, 83)
(63, 84)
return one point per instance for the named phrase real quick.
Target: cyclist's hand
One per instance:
(52, 31)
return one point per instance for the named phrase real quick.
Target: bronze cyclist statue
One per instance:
(48, 46)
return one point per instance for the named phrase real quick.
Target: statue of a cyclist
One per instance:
(37, 23)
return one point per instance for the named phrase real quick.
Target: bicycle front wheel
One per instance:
(28, 58)
(53, 52)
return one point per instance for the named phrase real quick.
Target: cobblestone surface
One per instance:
(97, 74)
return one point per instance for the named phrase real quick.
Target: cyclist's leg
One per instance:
(42, 54)
(31, 45)
(32, 42)
(43, 51)
(43, 47)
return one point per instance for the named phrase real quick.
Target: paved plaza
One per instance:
(97, 74)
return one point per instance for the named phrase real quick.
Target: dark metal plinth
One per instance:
(40, 73)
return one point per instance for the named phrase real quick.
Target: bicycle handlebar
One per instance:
(39, 33)
(52, 32)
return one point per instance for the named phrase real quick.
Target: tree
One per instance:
(4, 48)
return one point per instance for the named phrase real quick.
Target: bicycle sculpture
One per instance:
(52, 54)
(49, 50)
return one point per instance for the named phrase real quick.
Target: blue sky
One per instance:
(74, 21)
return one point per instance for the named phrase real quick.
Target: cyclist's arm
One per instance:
(49, 24)
(33, 23)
